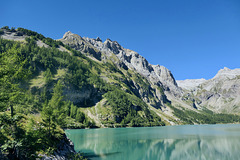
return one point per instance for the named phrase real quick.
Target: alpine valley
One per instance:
(49, 85)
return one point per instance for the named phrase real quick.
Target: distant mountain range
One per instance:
(220, 94)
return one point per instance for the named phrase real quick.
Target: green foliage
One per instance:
(48, 76)
(49, 119)
(12, 69)
(17, 66)
(26, 132)
(111, 67)
(21, 62)
(77, 156)
(31, 33)
(54, 112)
(80, 117)
(35, 35)
(126, 107)
(6, 28)
(17, 144)
(120, 103)
(1, 32)
(73, 111)
(204, 117)
(12, 29)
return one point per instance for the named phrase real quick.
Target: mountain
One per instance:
(177, 93)
(190, 84)
(220, 94)
(113, 65)
(159, 79)
(77, 82)
(124, 58)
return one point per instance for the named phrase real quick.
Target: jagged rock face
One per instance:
(227, 73)
(77, 42)
(16, 36)
(156, 75)
(221, 93)
(167, 79)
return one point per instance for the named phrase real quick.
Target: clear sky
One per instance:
(192, 38)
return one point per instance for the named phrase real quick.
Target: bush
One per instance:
(1, 32)
(6, 27)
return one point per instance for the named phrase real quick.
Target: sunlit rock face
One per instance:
(221, 93)
(157, 76)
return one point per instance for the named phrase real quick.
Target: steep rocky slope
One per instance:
(195, 95)
(190, 84)
(158, 82)
(220, 94)
(109, 50)
(123, 58)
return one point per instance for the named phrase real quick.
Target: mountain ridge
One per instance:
(157, 75)
(219, 93)
(160, 84)
(131, 59)
(76, 82)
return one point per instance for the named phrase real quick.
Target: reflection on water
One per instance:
(171, 142)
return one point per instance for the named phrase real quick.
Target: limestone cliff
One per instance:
(221, 93)
(157, 76)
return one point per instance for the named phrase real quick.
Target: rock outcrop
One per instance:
(65, 151)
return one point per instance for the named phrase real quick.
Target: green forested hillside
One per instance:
(47, 86)
(37, 89)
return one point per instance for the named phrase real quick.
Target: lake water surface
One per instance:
(187, 142)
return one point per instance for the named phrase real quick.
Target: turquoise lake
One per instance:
(187, 142)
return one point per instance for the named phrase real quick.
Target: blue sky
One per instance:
(192, 38)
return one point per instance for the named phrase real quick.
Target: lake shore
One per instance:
(185, 141)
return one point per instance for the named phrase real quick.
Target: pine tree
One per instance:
(80, 117)
(48, 76)
(54, 112)
(73, 111)
(48, 119)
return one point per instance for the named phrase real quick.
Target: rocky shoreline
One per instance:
(65, 151)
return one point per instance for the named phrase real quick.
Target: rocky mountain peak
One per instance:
(166, 78)
(156, 75)
(69, 36)
(114, 46)
(98, 39)
(226, 69)
(108, 40)
(223, 74)
(227, 73)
